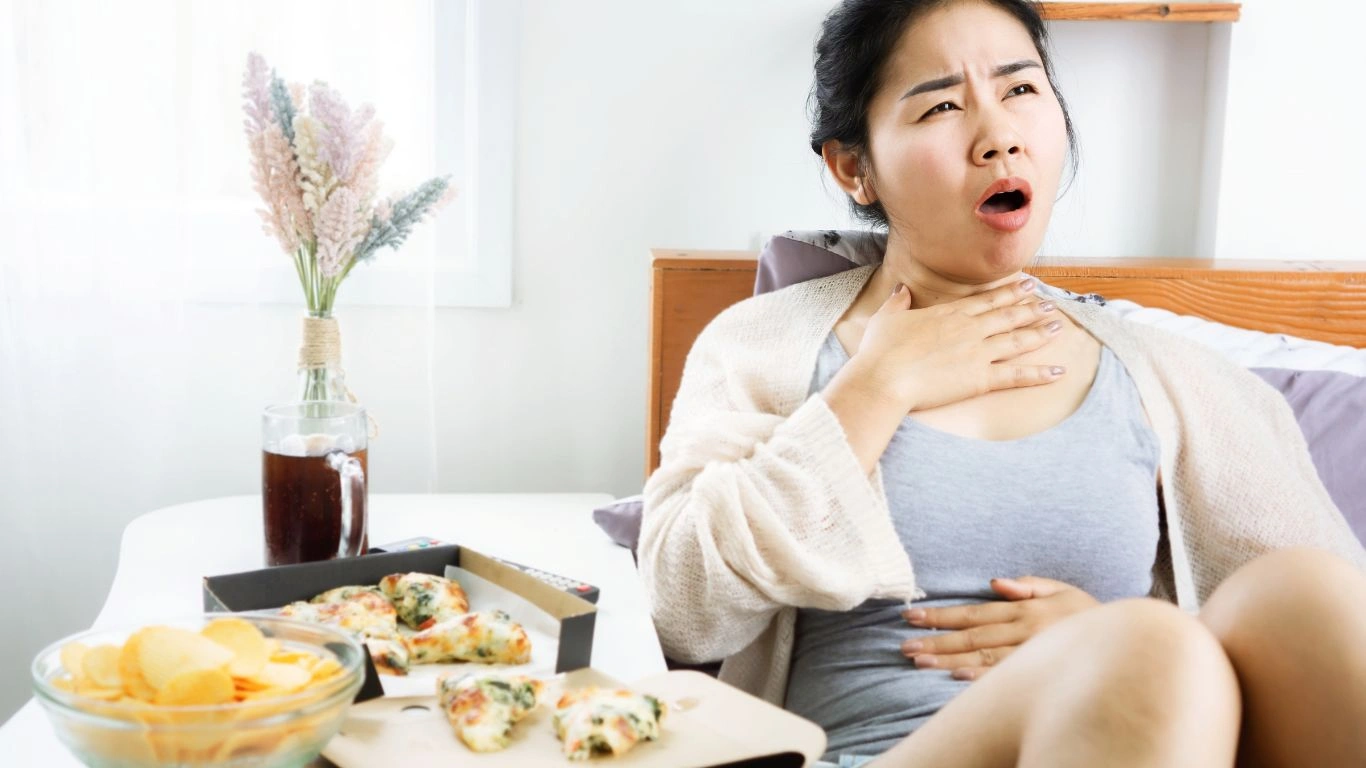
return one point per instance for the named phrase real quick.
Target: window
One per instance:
(123, 159)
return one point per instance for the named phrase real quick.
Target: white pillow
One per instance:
(1251, 349)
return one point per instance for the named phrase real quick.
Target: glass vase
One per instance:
(320, 372)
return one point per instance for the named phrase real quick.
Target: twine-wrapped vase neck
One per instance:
(321, 347)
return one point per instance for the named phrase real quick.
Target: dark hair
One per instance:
(857, 38)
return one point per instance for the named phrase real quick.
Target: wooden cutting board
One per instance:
(708, 724)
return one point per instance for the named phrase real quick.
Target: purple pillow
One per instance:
(1327, 404)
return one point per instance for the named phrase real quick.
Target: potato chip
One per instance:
(244, 640)
(288, 657)
(130, 669)
(92, 691)
(196, 687)
(101, 664)
(284, 676)
(247, 684)
(326, 668)
(71, 655)
(166, 652)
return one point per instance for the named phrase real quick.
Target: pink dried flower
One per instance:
(273, 219)
(284, 197)
(376, 149)
(340, 142)
(385, 209)
(256, 94)
(338, 230)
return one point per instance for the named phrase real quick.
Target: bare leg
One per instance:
(1293, 623)
(1129, 683)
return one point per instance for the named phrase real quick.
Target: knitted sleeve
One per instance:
(752, 510)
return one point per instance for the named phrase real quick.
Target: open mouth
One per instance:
(1004, 206)
(1004, 202)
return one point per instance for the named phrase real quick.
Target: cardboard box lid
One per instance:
(710, 724)
(275, 587)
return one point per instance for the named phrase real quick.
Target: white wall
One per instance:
(640, 125)
(1294, 163)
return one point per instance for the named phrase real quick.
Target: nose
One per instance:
(997, 139)
(1009, 150)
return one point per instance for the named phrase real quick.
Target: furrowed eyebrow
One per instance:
(1005, 70)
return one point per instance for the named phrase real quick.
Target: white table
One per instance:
(166, 553)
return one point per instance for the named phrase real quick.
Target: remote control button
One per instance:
(423, 545)
(583, 587)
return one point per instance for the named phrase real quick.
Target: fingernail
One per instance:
(897, 290)
(1047, 306)
(923, 661)
(914, 614)
(912, 647)
(1054, 327)
(1057, 370)
(962, 674)
(1027, 284)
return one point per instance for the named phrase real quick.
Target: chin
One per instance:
(1007, 255)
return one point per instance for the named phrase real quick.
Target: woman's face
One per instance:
(964, 103)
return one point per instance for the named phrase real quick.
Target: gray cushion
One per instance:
(795, 257)
(621, 520)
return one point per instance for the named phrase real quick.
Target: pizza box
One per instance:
(708, 724)
(278, 586)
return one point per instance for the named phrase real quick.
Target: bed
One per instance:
(1318, 300)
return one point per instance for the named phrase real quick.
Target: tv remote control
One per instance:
(572, 586)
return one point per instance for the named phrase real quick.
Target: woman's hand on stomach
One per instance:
(989, 632)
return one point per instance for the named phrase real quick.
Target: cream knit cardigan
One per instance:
(759, 505)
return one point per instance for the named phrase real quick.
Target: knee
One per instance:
(1145, 666)
(1160, 646)
(1281, 588)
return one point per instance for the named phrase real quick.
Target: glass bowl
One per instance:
(263, 733)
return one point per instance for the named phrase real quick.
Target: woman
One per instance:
(933, 498)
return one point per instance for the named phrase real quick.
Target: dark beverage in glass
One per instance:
(313, 489)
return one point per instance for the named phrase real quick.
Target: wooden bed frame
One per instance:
(1310, 299)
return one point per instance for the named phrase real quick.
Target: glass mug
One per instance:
(313, 492)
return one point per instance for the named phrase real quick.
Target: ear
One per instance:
(847, 168)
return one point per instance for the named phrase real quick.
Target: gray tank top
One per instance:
(1076, 502)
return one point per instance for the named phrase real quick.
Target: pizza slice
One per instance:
(593, 721)
(353, 608)
(387, 649)
(483, 708)
(423, 599)
(487, 637)
(367, 615)
(369, 599)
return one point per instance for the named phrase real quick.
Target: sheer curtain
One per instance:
(144, 318)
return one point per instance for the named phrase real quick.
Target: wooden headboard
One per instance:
(1311, 299)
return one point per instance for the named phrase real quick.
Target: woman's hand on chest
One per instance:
(957, 379)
